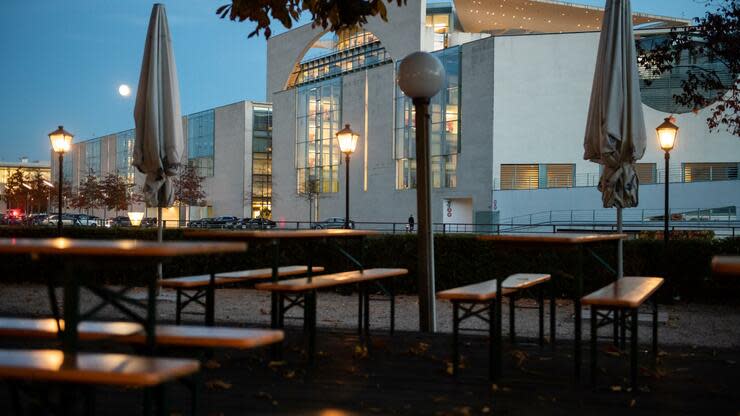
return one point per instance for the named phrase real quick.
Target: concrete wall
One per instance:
(543, 87)
(683, 197)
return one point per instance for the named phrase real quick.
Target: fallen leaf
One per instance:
(485, 409)
(613, 351)
(360, 351)
(289, 374)
(633, 402)
(616, 388)
(217, 384)
(212, 364)
(274, 364)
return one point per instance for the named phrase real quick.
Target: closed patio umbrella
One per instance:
(159, 142)
(159, 136)
(615, 129)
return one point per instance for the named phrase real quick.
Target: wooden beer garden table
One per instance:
(726, 266)
(80, 262)
(578, 242)
(276, 236)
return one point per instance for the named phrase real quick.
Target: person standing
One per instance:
(411, 223)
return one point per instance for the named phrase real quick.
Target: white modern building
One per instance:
(230, 146)
(507, 130)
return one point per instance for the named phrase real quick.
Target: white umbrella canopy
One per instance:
(159, 136)
(615, 130)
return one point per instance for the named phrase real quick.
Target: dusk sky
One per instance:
(64, 60)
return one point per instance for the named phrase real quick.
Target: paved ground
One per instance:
(694, 325)
(408, 373)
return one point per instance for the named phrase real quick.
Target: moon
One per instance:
(124, 90)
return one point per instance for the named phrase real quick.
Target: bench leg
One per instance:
(512, 320)
(392, 290)
(623, 329)
(655, 332)
(553, 315)
(366, 311)
(455, 335)
(281, 311)
(310, 302)
(360, 303)
(178, 309)
(615, 335)
(594, 346)
(633, 352)
(211, 301)
(541, 310)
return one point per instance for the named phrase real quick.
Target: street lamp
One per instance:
(61, 142)
(667, 133)
(347, 142)
(421, 76)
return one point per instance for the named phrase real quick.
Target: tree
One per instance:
(311, 194)
(89, 194)
(715, 36)
(15, 192)
(334, 14)
(188, 186)
(39, 192)
(67, 196)
(116, 193)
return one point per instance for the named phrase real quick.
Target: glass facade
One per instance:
(125, 153)
(444, 110)
(658, 90)
(440, 22)
(92, 158)
(700, 172)
(261, 162)
(68, 164)
(201, 133)
(317, 151)
(353, 50)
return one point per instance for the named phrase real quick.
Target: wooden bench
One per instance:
(726, 266)
(625, 295)
(303, 292)
(204, 286)
(479, 298)
(94, 369)
(130, 332)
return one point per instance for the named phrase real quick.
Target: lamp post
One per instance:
(667, 133)
(28, 193)
(421, 76)
(61, 142)
(347, 142)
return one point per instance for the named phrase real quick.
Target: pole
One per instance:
(620, 245)
(160, 227)
(425, 269)
(59, 192)
(346, 192)
(667, 210)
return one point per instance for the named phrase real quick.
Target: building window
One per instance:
(534, 176)
(658, 90)
(124, 154)
(520, 177)
(444, 133)
(201, 132)
(646, 173)
(317, 152)
(92, 157)
(262, 162)
(440, 24)
(333, 55)
(68, 167)
(698, 172)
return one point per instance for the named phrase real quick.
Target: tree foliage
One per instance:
(715, 36)
(15, 192)
(333, 14)
(89, 194)
(116, 192)
(188, 186)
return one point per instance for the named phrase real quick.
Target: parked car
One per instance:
(67, 220)
(222, 222)
(261, 224)
(149, 222)
(331, 223)
(241, 224)
(120, 221)
(201, 223)
(88, 220)
(37, 219)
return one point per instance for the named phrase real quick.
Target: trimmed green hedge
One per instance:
(460, 259)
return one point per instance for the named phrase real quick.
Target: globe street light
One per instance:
(421, 76)
(347, 142)
(667, 133)
(61, 142)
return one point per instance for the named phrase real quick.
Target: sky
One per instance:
(64, 60)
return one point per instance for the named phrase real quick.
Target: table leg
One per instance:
(211, 301)
(275, 349)
(577, 306)
(553, 316)
(71, 310)
(311, 314)
(495, 318)
(455, 335)
(151, 313)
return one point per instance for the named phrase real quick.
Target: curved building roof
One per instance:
(542, 16)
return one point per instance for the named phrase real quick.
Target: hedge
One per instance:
(460, 259)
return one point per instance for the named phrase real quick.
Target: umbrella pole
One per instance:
(620, 246)
(160, 232)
